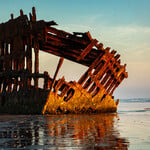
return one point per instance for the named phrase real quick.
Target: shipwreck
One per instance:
(21, 37)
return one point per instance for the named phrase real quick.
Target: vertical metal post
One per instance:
(53, 82)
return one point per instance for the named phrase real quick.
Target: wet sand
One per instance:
(127, 129)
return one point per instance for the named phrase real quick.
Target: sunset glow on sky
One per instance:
(123, 25)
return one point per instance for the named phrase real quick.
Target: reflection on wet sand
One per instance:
(62, 131)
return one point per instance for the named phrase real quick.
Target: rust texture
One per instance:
(20, 35)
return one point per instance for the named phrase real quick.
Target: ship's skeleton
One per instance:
(20, 35)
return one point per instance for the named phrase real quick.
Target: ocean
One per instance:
(129, 128)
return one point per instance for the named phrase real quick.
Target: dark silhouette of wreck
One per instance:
(92, 93)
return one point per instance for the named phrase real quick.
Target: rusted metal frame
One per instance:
(15, 63)
(46, 80)
(85, 75)
(57, 70)
(87, 83)
(65, 90)
(85, 35)
(15, 84)
(114, 87)
(66, 35)
(99, 63)
(88, 35)
(2, 56)
(49, 50)
(111, 86)
(70, 52)
(102, 72)
(6, 48)
(107, 83)
(113, 72)
(87, 49)
(50, 36)
(56, 44)
(53, 82)
(100, 46)
(36, 63)
(4, 84)
(8, 77)
(67, 46)
(11, 50)
(59, 84)
(67, 55)
(93, 52)
(104, 67)
(99, 67)
(6, 62)
(64, 52)
(118, 83)
(22, 57)
(58, 54)
(61, 33)
(92, 87)
(109, 71)
(65, 42)
(9, 68)
(0, 85)
(69, 95)
(29, 54)
(126, 74)
(23, 80)
(121, 70)
(2, 48)
(103, 78)
(96, 63)
(63, 85)
(121, 77)
(90, 82)
(33, 14)
(115, 58)
(83, 78)
(21, 12)
(9, 86)
(29, 58)
(37, 75)
(106, 77)
(20, 50)
(95, 91)
(113, 52)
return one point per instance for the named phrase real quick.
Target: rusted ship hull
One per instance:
(81, 102)
(19, 81)
(34, 100)
(29, 102)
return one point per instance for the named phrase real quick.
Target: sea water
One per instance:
(129, 128)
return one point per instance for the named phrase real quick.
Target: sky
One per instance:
(123, 25)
